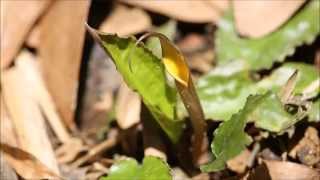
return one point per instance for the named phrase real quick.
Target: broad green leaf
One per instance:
(314, 112)
(222, 96)
(151, 168)
(263, 52)
(271, 115)
(147, 77)
(169, 29)
(230, 138)
(307, 74)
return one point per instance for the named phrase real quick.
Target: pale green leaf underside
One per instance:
(263, 52)
(152, 168)
(147, 78)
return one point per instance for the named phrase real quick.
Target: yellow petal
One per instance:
(173, 59)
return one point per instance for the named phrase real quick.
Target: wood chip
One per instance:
(308, 148)
(258, 18)
(125, 21)
(239, 163)
(283, 170)
(27, 165)
(17, 19)
(185, 10)
(128, 107)
(62, 32)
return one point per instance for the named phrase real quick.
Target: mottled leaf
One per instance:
(221, 96)
(263, 52)
(151, 168)
(307, 74)
(271, 115)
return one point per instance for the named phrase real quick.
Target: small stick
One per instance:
(108, 143)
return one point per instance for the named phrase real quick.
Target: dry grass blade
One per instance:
(286, 91)
(26, 116)
(99, 148)
(29, 67)
(26, 165)
(17, 18)
(6, 172)
(60, 56)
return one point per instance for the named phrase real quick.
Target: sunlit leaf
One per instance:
(221, 96)
(147, 77)
(271, 115)
(263, 52)
(307, 74)
(151, 168)
(314, 112)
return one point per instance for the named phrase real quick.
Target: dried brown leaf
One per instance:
(125, 21)
(128, 107)
(26, 165)
(282, 170)
(62, 33)
(17, 19)
(185, 10)
(26, 115)
(6, 172)
(258, 18)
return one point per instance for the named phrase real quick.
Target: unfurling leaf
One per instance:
(176, 65)
(173, 59)
(147, 78)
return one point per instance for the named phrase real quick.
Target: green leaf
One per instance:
(151, 168)
(263, 52)
(271, 115)
(307, 74)
(169, 29)
(230, 138)
(222, 92)
(221, 96)
(314, 112)
(147, 77)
